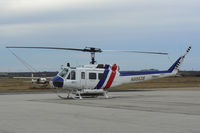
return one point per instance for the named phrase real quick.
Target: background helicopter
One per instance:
(37, 81)
(94, 79)
(41, 81)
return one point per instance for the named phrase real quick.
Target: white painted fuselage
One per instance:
(91, 77)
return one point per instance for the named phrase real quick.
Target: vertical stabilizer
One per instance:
(177, 64)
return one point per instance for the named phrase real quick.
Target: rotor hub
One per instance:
(92, 51)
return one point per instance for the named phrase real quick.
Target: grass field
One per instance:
(170, 82)
(9, 84)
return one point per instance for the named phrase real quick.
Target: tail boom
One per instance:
(132, 77)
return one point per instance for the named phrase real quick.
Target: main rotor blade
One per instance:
(89, 49)
(47, 48)
(133, 51)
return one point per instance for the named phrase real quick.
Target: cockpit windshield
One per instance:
(63, 73)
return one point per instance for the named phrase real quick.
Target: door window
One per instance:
(92, 76)
(82, 75)
(101, 76)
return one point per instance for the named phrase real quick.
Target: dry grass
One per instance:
(9, 84)
(170, 82)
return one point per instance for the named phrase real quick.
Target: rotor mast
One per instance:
(92, 51)
(92, 58)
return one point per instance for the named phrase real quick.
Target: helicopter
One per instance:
(41, 81)
(95, 79)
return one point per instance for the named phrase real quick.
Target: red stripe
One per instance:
(112, 76)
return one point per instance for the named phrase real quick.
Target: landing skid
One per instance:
(106, 95)
(80, 94)
(61, 97)
(64, 92)
(70, 97)
(78, 97)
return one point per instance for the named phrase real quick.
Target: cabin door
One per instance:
(92, 80)
(83, 80)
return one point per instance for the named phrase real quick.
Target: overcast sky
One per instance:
(153, 25)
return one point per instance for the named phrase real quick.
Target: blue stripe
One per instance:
(133, 73)
(174, 65)
(142, 73)
(102, 81)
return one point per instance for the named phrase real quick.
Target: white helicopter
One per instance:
(40, 81)
(95, 79)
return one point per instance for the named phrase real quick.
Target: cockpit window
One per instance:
(72, 75)
(68, 77)
(63, 73)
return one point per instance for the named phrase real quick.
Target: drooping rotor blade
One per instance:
(29, 67)
(133, 51)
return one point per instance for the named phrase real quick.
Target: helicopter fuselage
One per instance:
(102, 77)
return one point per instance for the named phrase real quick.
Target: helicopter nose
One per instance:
(57, 82)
